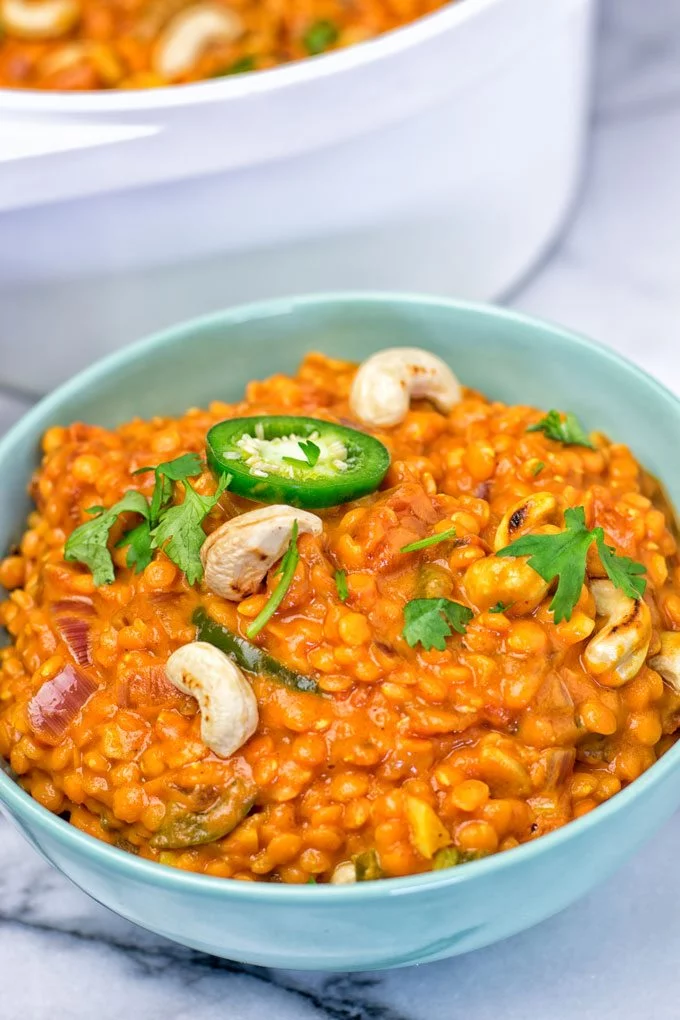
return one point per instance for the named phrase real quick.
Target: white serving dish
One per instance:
(440, 157)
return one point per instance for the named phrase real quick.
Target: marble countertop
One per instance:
(615, 275)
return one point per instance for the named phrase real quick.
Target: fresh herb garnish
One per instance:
(537, 468)
(500, 607)
(341, 585)
(568, 431)
(187, 466)
(429, 621)
(88, 544)
(286, 569)
(140, 550)
(311, 452)
(139, 540)
(424, 543)
(311, 880)
(179, 532)
(564, 556)
(176, 529)
(319, 37)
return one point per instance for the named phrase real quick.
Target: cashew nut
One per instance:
(39, 19)
(189, 33)
(618, 651)
(344, 873)
(226, 701)
(510, 581)
(385, 382)
(523, 517)
(667, 662)
(239, 553)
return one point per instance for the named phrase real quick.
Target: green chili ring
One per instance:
(302, 462)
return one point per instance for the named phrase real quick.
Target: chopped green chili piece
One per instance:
(250, 657)
(290, 560)
(320, 36)
(425, 543)
(302, 462)
(341, 585)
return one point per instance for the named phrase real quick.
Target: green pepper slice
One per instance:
(182, 828)
(248, 656)
(303, 462)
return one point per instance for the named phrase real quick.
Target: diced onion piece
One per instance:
(75, 633)
(558, 765)
(58, 702)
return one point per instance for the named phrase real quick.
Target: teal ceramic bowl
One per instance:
(398, 921)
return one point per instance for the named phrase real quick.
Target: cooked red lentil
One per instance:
(405, 758)
(103, 44)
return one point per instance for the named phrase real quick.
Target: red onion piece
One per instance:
(75, 633)
(58, 702)
(149, 687)
(74, 604)
(559, 763)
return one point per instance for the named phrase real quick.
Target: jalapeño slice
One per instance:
(304, 462)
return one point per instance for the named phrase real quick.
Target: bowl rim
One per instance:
(19, 804)
(324, 65)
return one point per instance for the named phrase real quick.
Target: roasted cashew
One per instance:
(189, 33)
(384, 384)
(344, 873)
(239, 553)
(523, 517)
(618, 651)
(667, 662)
(226, 701)
(507, 580)
(38, 19)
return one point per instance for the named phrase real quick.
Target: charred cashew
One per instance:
(38, 19)
(618, 651)
(523, 517)
(226, 701)
(238, 554)
(667, 662)
(385, 382)
(189, 33)
(510, 581)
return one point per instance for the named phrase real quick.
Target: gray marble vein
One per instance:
(615, 275)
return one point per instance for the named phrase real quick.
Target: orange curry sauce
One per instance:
(504, 734)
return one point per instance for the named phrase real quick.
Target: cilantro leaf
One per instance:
(621, 570)
(568, 431)
(140, 551)
(500, 607)
(429, 621)
(179, 531)
(88, 544)
(564, 556)
(341, 585)
(311, 451)
(423, 543)
(187, 466)
(289, 562)
(537, 468)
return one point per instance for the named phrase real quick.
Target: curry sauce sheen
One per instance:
(403, 754)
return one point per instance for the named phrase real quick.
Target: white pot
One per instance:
(440, 157)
